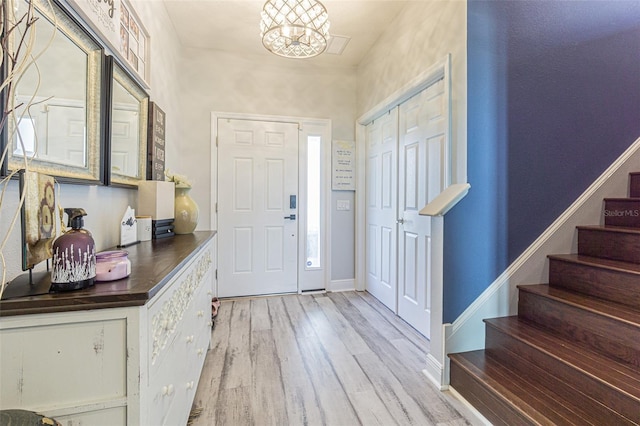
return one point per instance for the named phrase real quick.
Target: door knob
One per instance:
(291, 217)
(400, 221)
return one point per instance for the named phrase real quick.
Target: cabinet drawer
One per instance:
(91, 355)
(107, 417)
(164, 393)
(197, 320)
(179, 322)
(167, 311)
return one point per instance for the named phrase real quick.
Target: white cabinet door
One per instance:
(258, 232)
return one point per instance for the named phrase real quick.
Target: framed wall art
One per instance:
(134, 41)
(156, 143)
(55, 122)
(120, 28)
(127, 128)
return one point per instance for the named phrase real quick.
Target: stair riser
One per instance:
(479, 395)
(609, 245)
(606, 335)
(613, 285)
(547, 371)
(621, 212)
(634, 185)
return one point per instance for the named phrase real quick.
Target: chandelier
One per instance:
(294, 28)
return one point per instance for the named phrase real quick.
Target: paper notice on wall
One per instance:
(343, 162)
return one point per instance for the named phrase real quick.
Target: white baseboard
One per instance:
(435, 372)
(342, 285)
(532, 267)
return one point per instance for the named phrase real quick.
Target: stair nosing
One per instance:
(609, 228)
(590, 306)
(505, 394)
(497, 392)
(598, 262)
(576, 349)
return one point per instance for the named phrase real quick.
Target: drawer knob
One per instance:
(190, 385)
(167, 390)
(189, 339)
(200, 351)
(200, 313)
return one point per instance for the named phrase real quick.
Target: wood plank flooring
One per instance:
(322, 359)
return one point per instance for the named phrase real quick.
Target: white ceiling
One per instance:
(234, 26)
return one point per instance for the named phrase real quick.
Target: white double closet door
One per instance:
(407, 154)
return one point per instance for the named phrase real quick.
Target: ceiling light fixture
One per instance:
(294, 28)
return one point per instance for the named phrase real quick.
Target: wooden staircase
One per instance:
(572, 354)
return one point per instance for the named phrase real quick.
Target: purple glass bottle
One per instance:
(74, 255)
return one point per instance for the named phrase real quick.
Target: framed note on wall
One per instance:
(156, 143)
(343, 164)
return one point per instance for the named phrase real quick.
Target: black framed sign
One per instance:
(156, 145)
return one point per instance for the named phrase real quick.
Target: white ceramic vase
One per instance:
(186, 212)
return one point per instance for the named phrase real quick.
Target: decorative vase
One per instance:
(185, 212)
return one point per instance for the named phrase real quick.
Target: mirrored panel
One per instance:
(128, 128)
(56, 97)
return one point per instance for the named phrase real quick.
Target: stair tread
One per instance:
(619, 375)
(609, 228)
(607, 308)
(599, 262)
(632, 199)
(534, 402)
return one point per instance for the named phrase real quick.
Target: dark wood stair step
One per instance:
(609, 328)
(634, 184)
(611, 389)
(610, 242)
(505, 397)
(604, 278)
(622, 212)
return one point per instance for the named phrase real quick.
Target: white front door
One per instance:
(258, 232)
(423, 153)
(381, 199)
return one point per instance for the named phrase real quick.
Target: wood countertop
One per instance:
(153, 264)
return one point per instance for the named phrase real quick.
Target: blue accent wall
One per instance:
(553, 100)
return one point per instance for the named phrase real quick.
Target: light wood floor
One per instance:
(323, 359)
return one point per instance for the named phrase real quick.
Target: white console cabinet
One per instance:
(130, 353)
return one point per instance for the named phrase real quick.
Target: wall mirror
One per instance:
(57, 100)
(128, 128)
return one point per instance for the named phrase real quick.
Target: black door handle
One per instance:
(291, 217)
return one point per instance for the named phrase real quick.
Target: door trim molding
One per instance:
(302, 122)
(413, 87)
